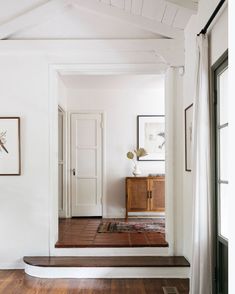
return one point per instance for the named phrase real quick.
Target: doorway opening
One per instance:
(117, 107)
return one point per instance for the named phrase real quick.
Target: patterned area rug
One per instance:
(132, 227)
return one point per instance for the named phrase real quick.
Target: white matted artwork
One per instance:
(188, 116)
(151, 136)
(10, 146)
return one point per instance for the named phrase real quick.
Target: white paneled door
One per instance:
(86, 164)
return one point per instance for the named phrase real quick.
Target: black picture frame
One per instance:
(188, 116)
(15, 149)
(140, 144)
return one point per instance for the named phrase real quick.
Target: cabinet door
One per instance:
(137, 191)
(157, 194)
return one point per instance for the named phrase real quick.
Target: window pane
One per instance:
(223, 94)
(224, 205)
(224, 154)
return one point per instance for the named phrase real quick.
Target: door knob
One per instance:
(74, 172)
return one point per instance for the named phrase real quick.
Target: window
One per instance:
(222, 152)
(221, 123)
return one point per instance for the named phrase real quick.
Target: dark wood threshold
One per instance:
(107, 261)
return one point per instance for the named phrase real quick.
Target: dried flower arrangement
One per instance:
(133, 155)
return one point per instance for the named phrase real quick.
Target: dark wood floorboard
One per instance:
(107, 261)
(82, 232)
(16, 282)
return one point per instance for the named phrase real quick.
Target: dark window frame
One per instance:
(220, 65)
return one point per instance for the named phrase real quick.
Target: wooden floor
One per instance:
(16, 282)
(82, 232)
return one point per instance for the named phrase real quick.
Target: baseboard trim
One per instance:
(107, 272)
(111, 216)
(14, 265)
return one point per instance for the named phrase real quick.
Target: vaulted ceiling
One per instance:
(135, 31)
(157, 18)
(174, 13)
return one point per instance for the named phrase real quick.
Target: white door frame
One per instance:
(63, 212)
(103, 159)
(97, 69)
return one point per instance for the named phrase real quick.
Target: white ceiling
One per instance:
(10, 9)
(148, 32)
(111, 82)
(50, 19)
(175, 13)
(81, 24)
(191, 4)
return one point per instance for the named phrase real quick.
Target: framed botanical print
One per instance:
(188, 125)
(151, 136)
(10, 146)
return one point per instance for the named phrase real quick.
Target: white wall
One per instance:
(62, 95)
(219, 37)
(24, 213)
(218, 45)
(174, 162)
(25, 200)
(121, 108)
(24, 91)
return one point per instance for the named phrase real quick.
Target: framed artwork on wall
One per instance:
(188, 125)
(151, 136)
(10, 146)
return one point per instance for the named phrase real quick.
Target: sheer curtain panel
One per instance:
(201, 269)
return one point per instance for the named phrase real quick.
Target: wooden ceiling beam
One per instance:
(170, 51)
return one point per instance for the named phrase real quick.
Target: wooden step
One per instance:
(107, 261)
(108, 267)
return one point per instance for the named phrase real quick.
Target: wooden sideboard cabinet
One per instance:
(145, 194)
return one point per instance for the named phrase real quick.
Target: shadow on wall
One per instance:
(115, 197)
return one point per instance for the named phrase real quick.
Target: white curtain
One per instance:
(201, 267)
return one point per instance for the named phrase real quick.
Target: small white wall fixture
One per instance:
(56, 70)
